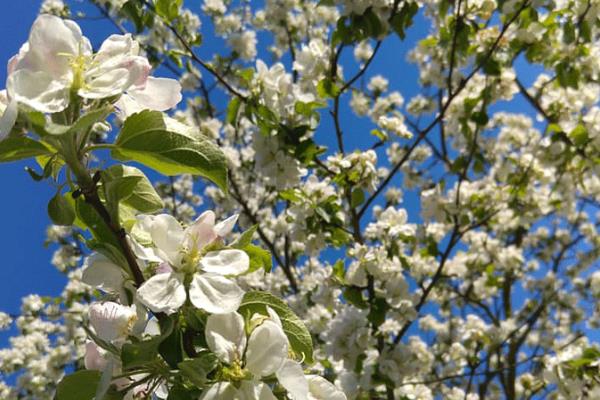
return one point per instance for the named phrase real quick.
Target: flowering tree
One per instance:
(449, 252)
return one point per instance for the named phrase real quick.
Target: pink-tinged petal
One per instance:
(164, 268)
(121, 51)
(215, 293)
(159, 94)
(201, 232)
(207, 217)
(225, 262)
(163, 293)
(225, 227)
(94, 357)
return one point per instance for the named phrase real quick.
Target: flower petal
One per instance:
(159, 94)
(8, 119)
(274, 316)
(292, 378)
(207, 217)
(102, 273)
(51, 41)
(107, 83)
(112, 320)
(167, 234)
(116, 68)
(215, 293)
(225, 336)
(94, 358)
(267, 349)
(144, 253)
(38, 90)
(117, 46)
(225, 227)
(321, 389)
(225, 262)
(221, 391)
(201, 232)
(250, 390)
(163, 293)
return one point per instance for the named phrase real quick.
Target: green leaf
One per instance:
(133, 10)
(480, 118)
(83, 123)
(339, 271)
(377, 312)
(80, 385)
(196, 369)
(171, 348)
(170, 147)
(88, 218)
(129, 186)
(143, 352)
(290, 195)
(259, 258)
(568, 75)
(308, 109)
(327, 88)
(179, 392)
(61, 211)
(232, 110)
(294, 328)
(139, 354)
(492, 67)
(358, 197)
(579, 135)
(369, 24)
(18, 148)
(404, 19)
(245, 238)
(353, 295)
(379, 134)
(168, 9)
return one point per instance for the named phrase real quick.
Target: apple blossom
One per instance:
(57, 61)
(185, 254)
(264, 352)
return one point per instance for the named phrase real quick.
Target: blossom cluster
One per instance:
(423, 176)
